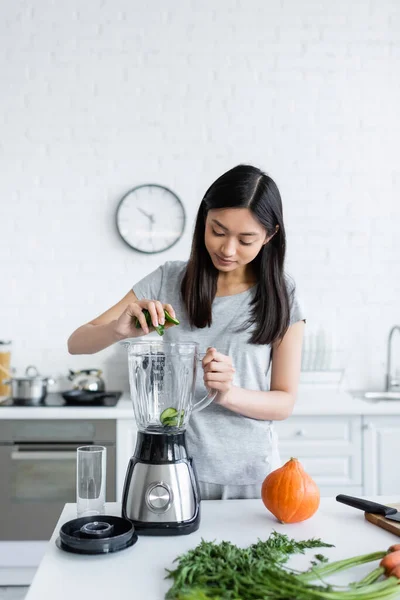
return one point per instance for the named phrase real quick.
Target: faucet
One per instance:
(391, 383)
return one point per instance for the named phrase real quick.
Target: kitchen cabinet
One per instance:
(329, 448)
(381, 448)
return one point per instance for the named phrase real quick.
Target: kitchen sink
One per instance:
(392, 392)
(379, 396)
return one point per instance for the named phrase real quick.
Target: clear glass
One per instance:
(90, 480)
(162, 379)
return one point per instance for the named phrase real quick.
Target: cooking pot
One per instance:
(32, 387)
(88, 380)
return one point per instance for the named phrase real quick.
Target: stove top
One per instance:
(57, 400)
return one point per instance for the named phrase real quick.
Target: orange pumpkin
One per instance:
(290, 494)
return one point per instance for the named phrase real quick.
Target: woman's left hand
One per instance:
(218, 372)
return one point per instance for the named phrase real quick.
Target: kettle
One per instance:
(88, 380)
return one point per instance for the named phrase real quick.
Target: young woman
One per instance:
(233, 298)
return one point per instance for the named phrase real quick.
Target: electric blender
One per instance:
(161, 494)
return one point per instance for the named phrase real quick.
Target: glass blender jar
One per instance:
(161, 493)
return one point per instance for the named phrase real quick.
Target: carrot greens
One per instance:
(224, 571)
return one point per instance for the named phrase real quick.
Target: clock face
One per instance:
(150, 218)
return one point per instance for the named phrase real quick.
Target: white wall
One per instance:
(102, 95)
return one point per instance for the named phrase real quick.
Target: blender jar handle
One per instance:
(208, 398)
(205, 401)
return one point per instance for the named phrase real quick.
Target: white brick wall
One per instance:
(102, 95)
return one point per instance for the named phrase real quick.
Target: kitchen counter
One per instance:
(138, 572)
(311, 400)
(122, 410)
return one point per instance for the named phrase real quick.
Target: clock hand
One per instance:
(145, 213)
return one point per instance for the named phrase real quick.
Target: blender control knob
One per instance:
(159, 497)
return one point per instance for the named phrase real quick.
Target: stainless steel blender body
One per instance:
(161, 493)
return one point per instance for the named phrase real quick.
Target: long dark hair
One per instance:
(243, 186)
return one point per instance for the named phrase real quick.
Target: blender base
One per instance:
(161, 494)
(143, 528)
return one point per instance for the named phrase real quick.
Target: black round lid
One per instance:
(98, 534)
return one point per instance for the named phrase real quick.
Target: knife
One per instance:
(370, 507)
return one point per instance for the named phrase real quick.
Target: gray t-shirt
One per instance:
(227, 448)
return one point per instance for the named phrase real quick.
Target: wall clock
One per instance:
(150, 218)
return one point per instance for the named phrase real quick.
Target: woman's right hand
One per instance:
(125, 326)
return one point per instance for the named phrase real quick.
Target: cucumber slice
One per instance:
(173, 420)
(168, 413)
(170, 423)
(146, 316)
(160, 328)
(169, 318)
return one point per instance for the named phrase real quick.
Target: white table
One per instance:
(138, 572)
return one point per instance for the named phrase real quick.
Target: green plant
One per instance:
(225, 572)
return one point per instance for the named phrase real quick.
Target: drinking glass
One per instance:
(90, 480)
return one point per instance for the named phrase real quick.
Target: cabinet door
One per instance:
(381, 443)
(126, 442)
(329, 448)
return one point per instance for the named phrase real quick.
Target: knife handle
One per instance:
(367, 505)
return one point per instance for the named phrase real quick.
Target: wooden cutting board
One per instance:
(380, 521)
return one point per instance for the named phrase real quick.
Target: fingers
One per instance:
(220, 386)
(212, 355)
(136, 311)
(171, 311)
(218, 370)
(221, 380)
(152, 317)
(218, 367)
(156, 311)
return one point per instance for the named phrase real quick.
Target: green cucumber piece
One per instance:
(170, 423)
(173, 419)
(168, 413)
(146, 316)
(170, 319)
(160, 328)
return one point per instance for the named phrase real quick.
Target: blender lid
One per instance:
(99, 534)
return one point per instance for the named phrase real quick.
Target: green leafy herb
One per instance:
(225, 572)
(319, 558)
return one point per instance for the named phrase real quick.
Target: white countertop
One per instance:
(311, 400)
(138, 572)
(122, 410)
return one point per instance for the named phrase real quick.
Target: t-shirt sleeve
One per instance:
(149, 287)
(296, 309)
